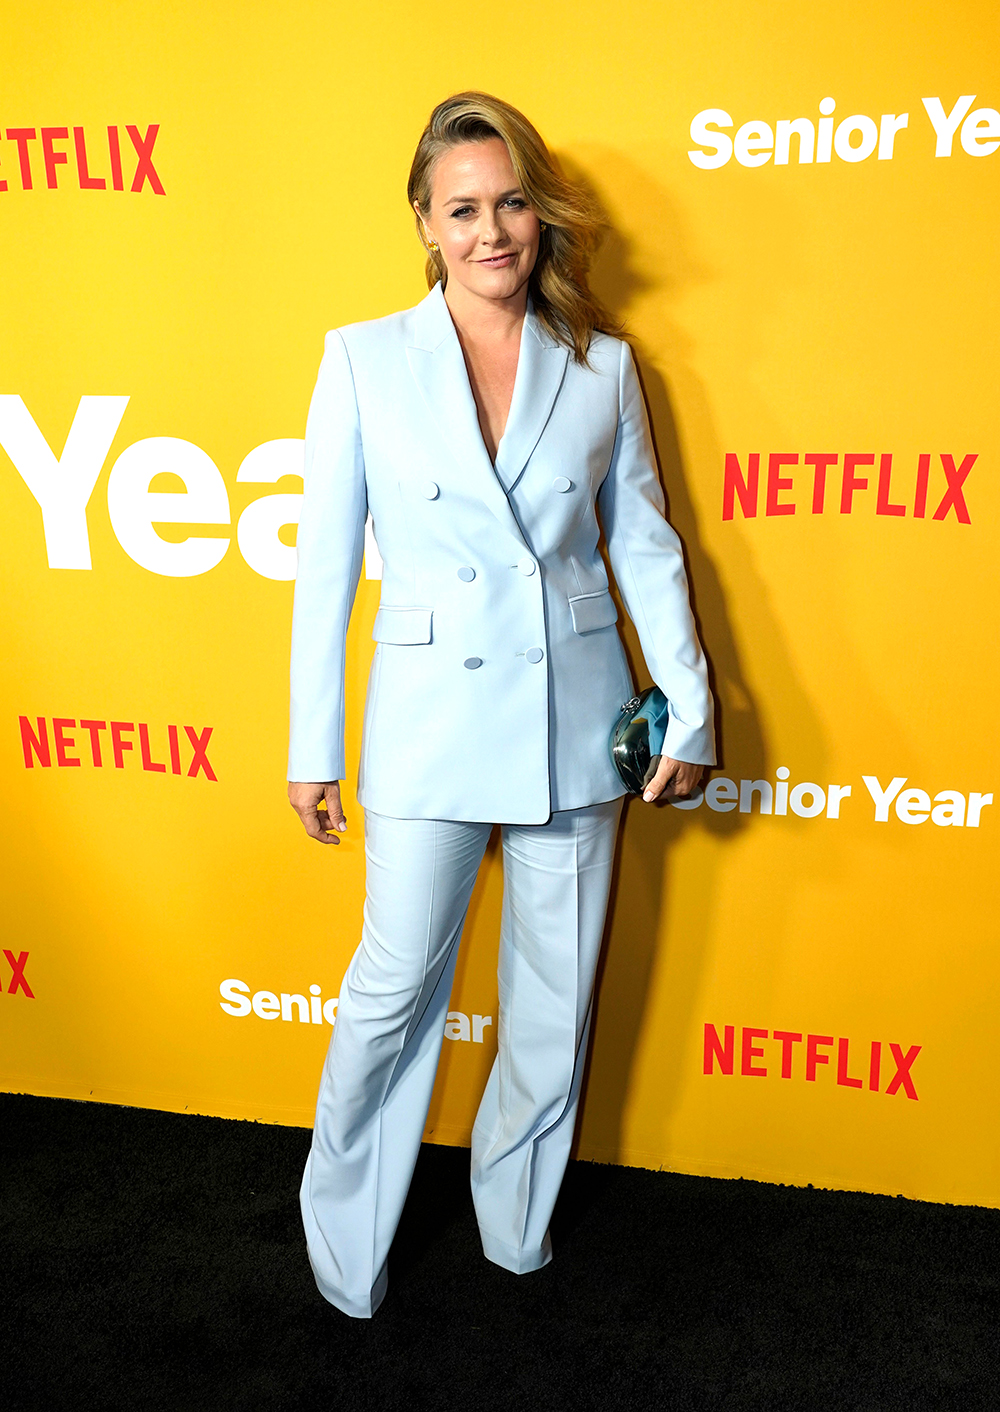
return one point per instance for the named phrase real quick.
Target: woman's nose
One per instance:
(492, 232)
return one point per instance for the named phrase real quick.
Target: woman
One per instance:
(484, 430)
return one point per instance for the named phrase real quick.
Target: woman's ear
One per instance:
(428, 238)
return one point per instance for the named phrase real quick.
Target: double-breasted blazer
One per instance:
(499, 670)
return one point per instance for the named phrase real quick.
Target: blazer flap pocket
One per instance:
(404, 627)
(593, 610)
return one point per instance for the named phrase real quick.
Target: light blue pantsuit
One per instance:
(379, 1072)
(497, 675)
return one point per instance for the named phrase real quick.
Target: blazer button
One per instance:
(472, 663)
(429, 490)
(526, 565)
(466, 574)
(562, 483)
(534, 654)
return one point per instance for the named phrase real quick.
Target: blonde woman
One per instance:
(491, 432)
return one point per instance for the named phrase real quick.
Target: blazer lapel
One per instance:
(541, 367)
(438, 367)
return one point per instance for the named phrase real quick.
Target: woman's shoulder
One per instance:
(376, 335)
(607, 343)
(606, 353)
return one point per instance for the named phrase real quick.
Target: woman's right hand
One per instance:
(305, 799)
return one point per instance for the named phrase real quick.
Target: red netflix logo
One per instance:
(820, 468)
(37, 747)
(18, 982)
(818, 1052)
(105, 152)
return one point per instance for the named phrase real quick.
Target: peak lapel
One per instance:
(438, 367)
(541, 368)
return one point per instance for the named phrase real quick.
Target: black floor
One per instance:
(149, 1260)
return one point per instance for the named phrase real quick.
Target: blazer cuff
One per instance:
(694, 745)
(314, 769)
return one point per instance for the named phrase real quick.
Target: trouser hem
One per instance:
(355, 1309)
(519, 1262)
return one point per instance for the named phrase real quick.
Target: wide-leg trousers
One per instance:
(379, 1071)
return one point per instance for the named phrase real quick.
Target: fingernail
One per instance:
(648, 796)
(341, 827)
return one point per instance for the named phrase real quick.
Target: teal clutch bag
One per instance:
(637, 737)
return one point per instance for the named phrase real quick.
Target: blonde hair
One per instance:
(562, 297)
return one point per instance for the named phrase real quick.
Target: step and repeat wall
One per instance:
(801, 981)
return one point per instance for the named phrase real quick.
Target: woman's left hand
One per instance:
(674, 779)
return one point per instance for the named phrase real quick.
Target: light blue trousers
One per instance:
(379, 1071)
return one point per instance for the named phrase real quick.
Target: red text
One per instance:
(71, 742)
(794, 1054)
(817, 481)
(97, 160)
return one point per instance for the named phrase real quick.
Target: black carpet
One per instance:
(151, 1260)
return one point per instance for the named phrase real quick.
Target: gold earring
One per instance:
(542, 225)
(434, 246)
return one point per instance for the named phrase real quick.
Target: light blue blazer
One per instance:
(499, 670)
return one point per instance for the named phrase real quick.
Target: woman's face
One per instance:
(480, 218)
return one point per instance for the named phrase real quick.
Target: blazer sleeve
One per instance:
(330, 540)
(648, 565)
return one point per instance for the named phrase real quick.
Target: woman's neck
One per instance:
(480, 320)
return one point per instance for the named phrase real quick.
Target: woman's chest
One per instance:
(431, 452)
(492, 374)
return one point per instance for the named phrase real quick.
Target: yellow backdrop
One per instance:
(804, 207)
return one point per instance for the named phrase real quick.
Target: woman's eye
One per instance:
(518, 203)
(461, 211)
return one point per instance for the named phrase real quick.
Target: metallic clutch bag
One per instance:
(637, 737)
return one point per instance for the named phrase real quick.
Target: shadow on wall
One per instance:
(642, 287)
